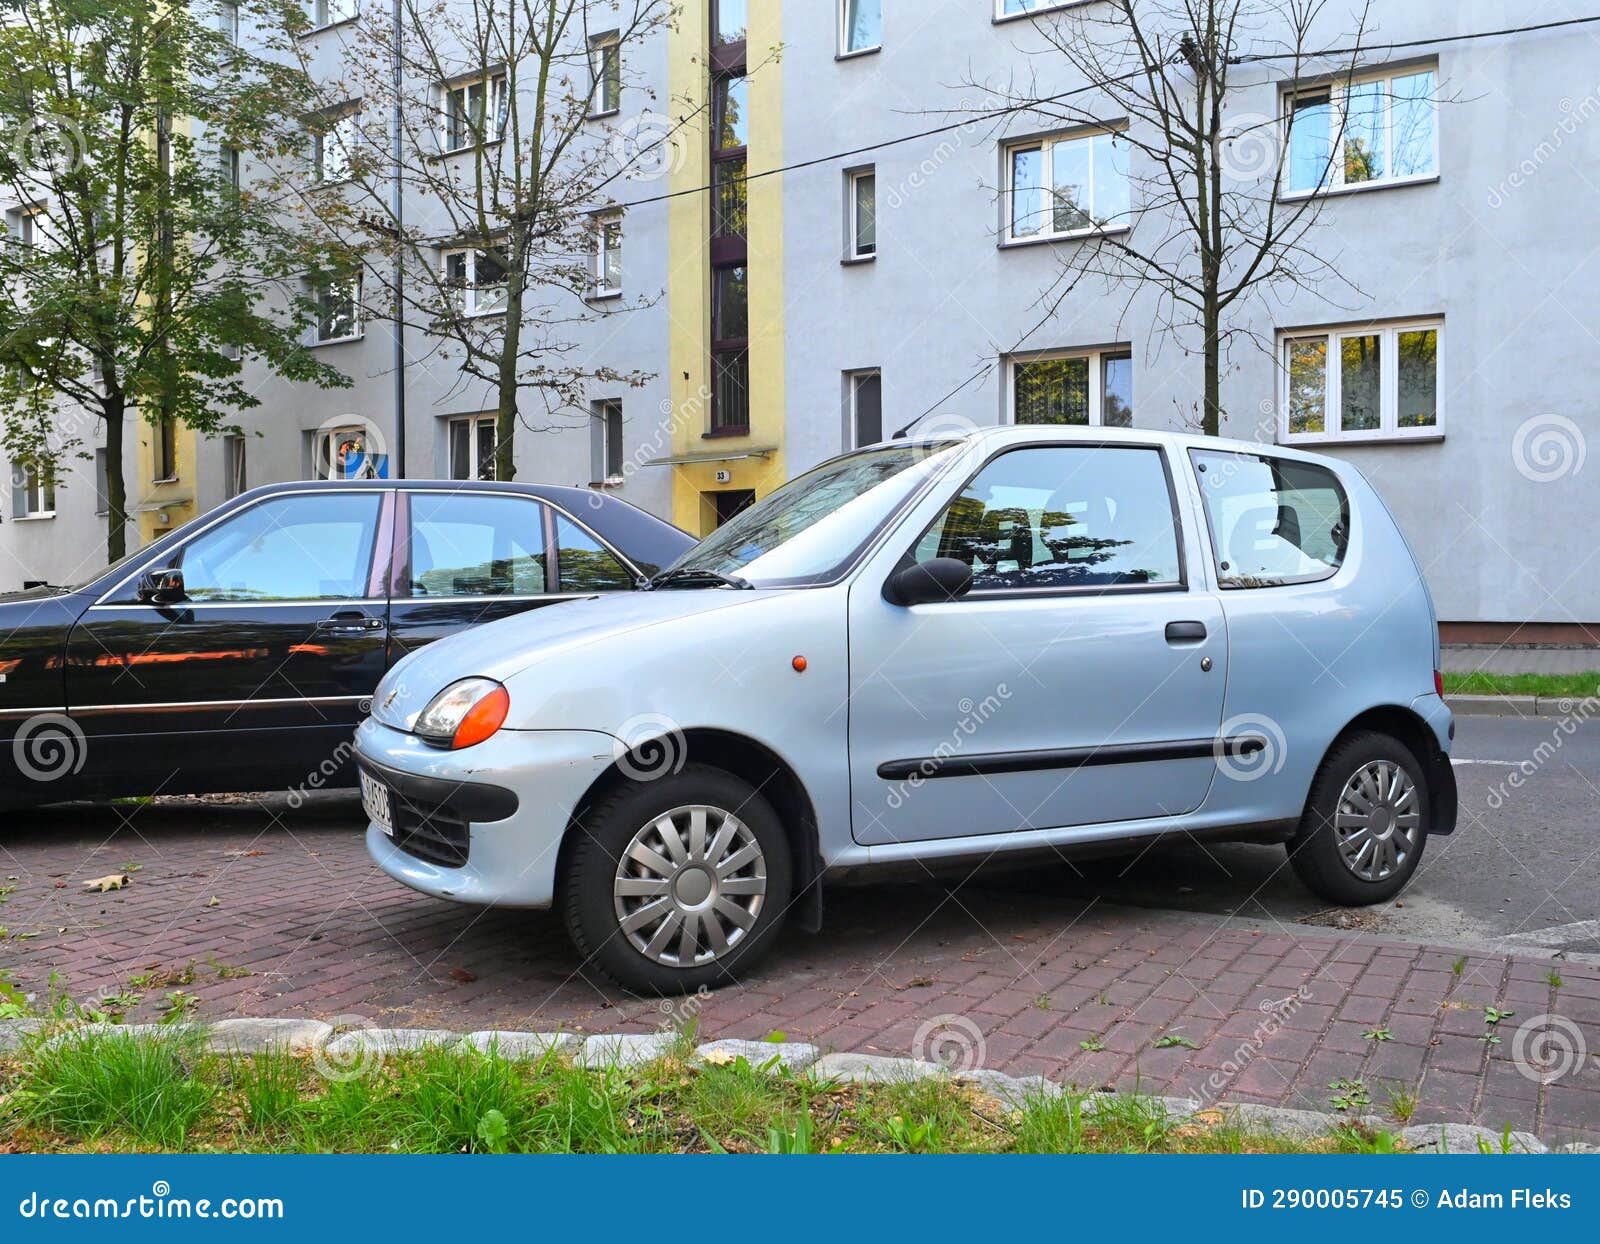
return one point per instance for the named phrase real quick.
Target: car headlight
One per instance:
(466, 712)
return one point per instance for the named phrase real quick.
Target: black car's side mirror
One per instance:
(161, 587)
(930, 582)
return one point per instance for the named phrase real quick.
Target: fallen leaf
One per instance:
(462, 975)
(718, 1058)
(111, 881)
(215, 902)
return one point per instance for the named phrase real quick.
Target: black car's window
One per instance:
(586, 565)
(473, 544)
(1059, 516)
(1273, 521)
(312, 546)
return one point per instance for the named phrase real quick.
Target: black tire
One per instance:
(1314, 852)
(589, 902)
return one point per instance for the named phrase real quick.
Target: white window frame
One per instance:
(497, 109)
(852, 380)
(235, 466)
(1337, 95)
(603, 48)
(1047, 143)
(845, 51)
(604, 442)
(603, 222)
(469, 295)
(228, 20)
(1033, 9)
(474, 462)
(1388, 428)
(324, 447)
(852, 179)
(1097, 381)
(319, 289)
(326, 13)
(38, 493)
(343, 136)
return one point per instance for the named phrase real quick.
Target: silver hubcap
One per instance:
(1378, 820)
(690, 886)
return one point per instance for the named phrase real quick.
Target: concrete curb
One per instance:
(626, 1051)
(1513, 705)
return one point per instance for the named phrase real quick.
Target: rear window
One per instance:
(1273, 521)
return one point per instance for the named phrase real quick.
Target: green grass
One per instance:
(103, 1092)
(1568, 686)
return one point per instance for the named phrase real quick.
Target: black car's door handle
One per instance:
(350, 624)
(1185, 632)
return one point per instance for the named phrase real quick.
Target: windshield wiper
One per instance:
(696, 576)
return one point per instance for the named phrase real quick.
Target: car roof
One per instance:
(1000, 435)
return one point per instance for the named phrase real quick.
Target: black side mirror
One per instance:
(926, 583)
(161, 587)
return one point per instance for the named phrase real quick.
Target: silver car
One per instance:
(1024, 639)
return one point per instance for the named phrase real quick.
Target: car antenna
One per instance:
(977, 375)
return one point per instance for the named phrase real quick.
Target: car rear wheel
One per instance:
(1362, 833)
(677, 883)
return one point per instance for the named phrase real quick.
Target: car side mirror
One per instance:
(928, 583)
(161, 587)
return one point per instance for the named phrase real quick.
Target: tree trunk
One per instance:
(505, 415)
(112, 413)
(1211, 418)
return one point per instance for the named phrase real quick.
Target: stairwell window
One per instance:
(605, 63)
(474, 112)
(1373, 382)
(1067, 186)
(475, 280)
(608, 255)
(861, 188)
(605, 444)
(1371, 132)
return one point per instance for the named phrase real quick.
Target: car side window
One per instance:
(585, 564)
(476, 544)
(1273, 521)
(1063, 516)
(314, 546)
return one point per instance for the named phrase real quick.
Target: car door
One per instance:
(260, 673)
(1079, 682)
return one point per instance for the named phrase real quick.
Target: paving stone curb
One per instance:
(1512, 705)
(624, 1051)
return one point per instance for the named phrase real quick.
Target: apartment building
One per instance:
(831, 304)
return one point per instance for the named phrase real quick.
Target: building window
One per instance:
(333, 145)
(1379, 131)
(861, 189)
(729, 199)
(332, 12)
(860, 26)
(228, 166)
(236, 476)
(1068, 187)
(472, 447)
(608, 255)
(1021, 8)
(728, 23)
(33, 492)
(228, 21)
(102, 484)
(730, 349)
(731, 112)
(166, 450)
(338, 303)
(474, 112)
(1093, 389)
(864, 398)
(475, 280)
(1371, 383)
(605, 443)
(343, 453)
(605, 66)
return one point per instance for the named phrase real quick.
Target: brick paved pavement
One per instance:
(1276, 1015)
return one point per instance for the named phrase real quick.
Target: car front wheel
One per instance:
(677, 883)
(1362, 833)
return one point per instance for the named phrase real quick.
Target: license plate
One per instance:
(375, 800)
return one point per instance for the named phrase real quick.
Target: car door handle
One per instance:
(1185, 632)
(350, 624)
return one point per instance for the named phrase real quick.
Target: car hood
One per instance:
(503, 649)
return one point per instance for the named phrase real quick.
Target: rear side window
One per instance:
(476, 544)
(1273, 521)
(586, 565)
(1055, 517)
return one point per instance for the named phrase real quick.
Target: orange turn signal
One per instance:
(482, 719)
(799, 664)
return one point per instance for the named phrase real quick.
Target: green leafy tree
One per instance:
(143, 271)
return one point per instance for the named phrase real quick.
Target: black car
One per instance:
(239, 652)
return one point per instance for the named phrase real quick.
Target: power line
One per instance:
(997, 113)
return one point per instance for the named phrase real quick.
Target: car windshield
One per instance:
(811, 529)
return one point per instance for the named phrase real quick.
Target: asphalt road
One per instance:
(1524, 862)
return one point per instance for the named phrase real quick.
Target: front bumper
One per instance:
(483, 825)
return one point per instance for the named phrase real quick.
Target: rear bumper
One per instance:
(506, 802)
(1441, 773)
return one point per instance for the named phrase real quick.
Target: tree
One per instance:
(493, 114)
(1207, 228)
(143, 273)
